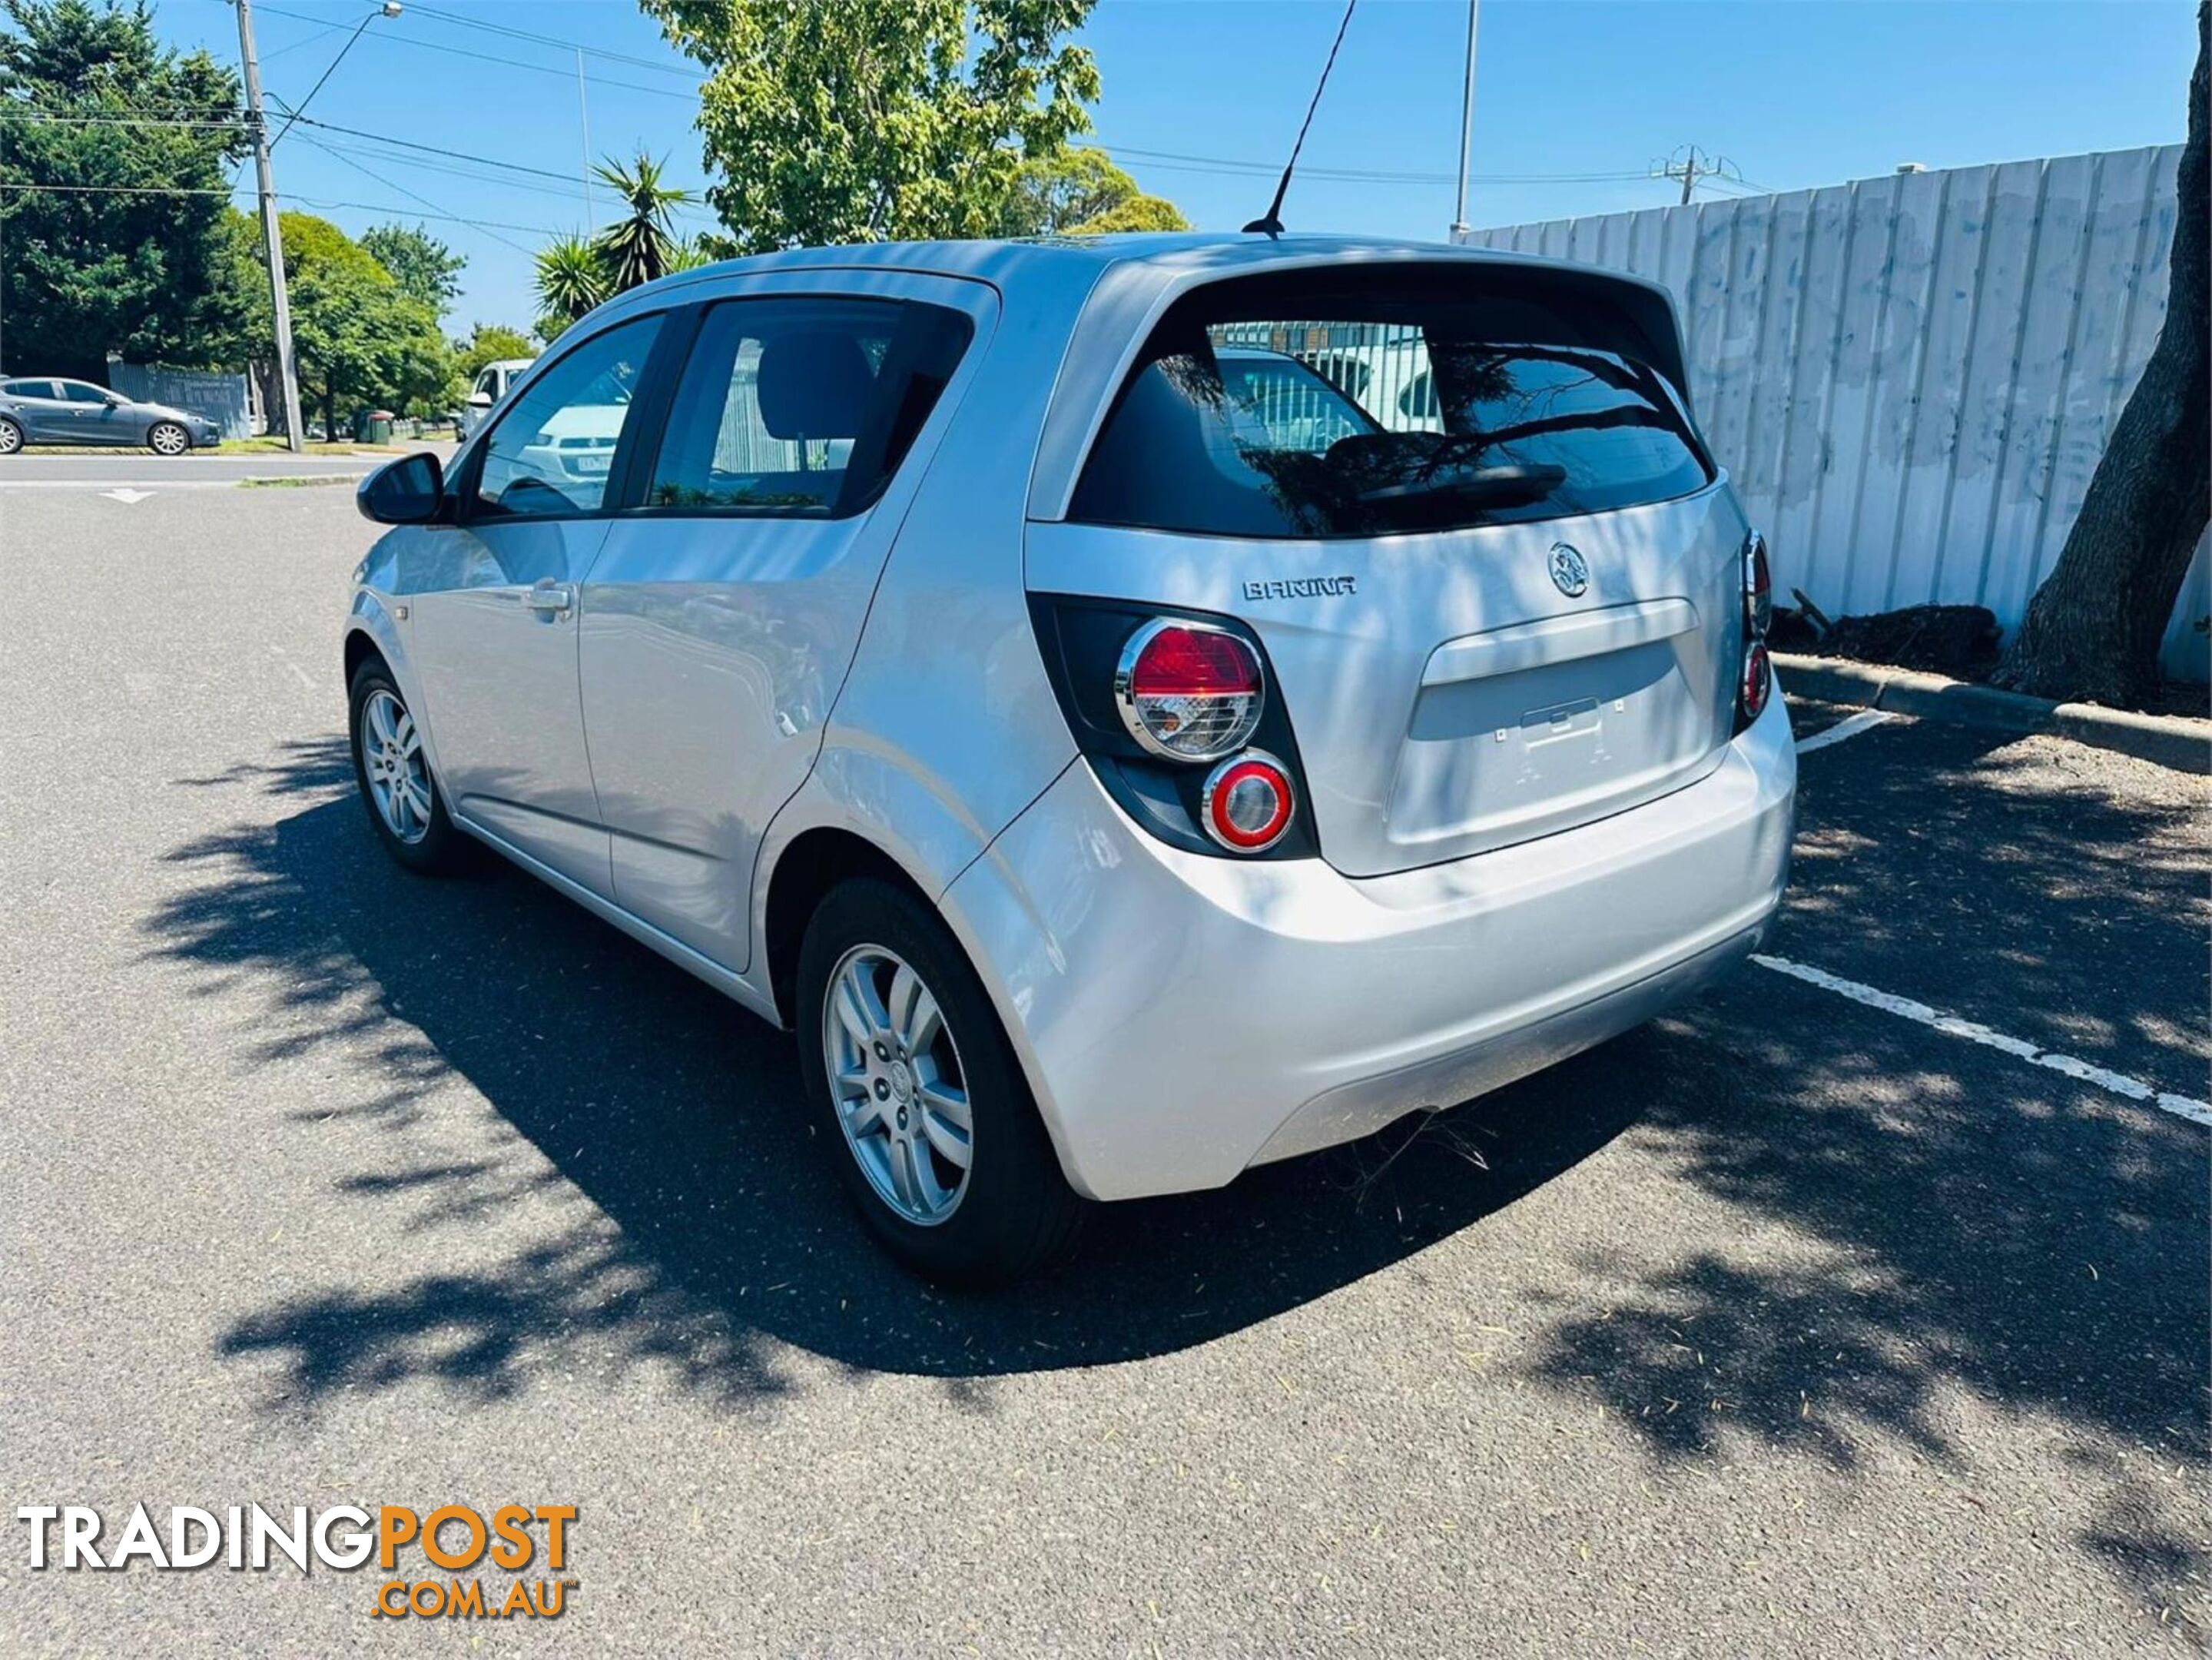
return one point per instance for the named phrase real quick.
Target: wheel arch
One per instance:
(816, 861)
(361, 646)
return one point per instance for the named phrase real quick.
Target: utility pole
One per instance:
(272, 236)
(1690, 164)
(1460, 227)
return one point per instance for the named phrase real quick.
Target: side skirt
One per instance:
(735, 986)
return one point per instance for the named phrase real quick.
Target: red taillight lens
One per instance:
(1758, 680)
(1248, 802)
(1758, 588)
(1188, 692)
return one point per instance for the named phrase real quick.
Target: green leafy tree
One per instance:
(114, 235)
(1138, 212)
(425, 268)
(876, 120)
(358, 336)
(1080, 193)
(490, 343)
(642, 245)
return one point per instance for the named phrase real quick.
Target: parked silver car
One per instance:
(48, 410)
(1122, 757)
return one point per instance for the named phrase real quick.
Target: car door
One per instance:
(723, 610)
(47, 418)
(95, 419)
(495, 631)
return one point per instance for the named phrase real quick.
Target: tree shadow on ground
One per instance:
(713, 1216)
(1916, 1216)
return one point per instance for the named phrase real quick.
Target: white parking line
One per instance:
(2181, 1106)
(1849, 727)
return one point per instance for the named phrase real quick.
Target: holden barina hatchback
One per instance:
(1135, 708)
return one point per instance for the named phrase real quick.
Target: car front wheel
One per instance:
(937, 1137)
(11, 436)
(393, 772)
(167, 438)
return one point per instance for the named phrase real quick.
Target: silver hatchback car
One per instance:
(1137, 708)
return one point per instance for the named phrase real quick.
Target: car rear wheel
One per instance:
(937, 1138)
(393, 772)
(11, 436)
(167, 438)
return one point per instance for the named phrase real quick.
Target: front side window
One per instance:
(1274, 409)
(553, 450)
(801, 408)
(76, 392)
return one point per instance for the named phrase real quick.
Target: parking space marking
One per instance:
(1849, 727)
(2181, 1106)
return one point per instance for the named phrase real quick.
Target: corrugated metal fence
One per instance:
(223, 398)
(1912, 378)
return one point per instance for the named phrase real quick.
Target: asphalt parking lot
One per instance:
(1790, 1323)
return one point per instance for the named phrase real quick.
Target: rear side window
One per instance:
(1312, 407)
(801, 408)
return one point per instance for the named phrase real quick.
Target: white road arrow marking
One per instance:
(126, 497)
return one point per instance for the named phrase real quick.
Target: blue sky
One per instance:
(1797, 93)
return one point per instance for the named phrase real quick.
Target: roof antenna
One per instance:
(1271, 222)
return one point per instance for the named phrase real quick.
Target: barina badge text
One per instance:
(1301, 587)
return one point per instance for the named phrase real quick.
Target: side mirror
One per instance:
(479, 400)
(116, 400)
(409, 491)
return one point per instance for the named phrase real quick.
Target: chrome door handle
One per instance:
(552, 597)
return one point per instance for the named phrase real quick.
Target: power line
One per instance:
(41, 118)
(412, 195)
(396, 212)
(389, 8)
(504, 62)
(558, 41)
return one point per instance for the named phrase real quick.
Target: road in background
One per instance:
(1784, 1325)
(142, 468)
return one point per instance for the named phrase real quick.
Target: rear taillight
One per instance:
(1179, 715)
(1756, 680)
(1248, 802)
(1758, 588)
(1188, 691)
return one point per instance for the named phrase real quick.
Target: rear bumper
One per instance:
(1181, 1018)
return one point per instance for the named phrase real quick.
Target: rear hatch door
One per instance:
(1496, 579)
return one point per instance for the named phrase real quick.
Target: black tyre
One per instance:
(932, 1125)
(405, 807)
(167, 438)
(11, 436)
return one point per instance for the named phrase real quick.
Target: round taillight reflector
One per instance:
(1188, 691)
(1758, 680)
(1246, 805)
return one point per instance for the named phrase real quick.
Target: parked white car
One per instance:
(1120, 757)
(490, 385)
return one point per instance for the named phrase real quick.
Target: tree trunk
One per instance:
(2093, 630)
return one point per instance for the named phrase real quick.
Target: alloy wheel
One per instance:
(392, 760)
(168, 439)
(897, 1082)
(11, 438)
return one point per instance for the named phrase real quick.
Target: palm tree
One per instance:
(644, 246)
(572, 278)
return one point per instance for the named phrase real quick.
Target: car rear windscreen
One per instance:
(1306, 404)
